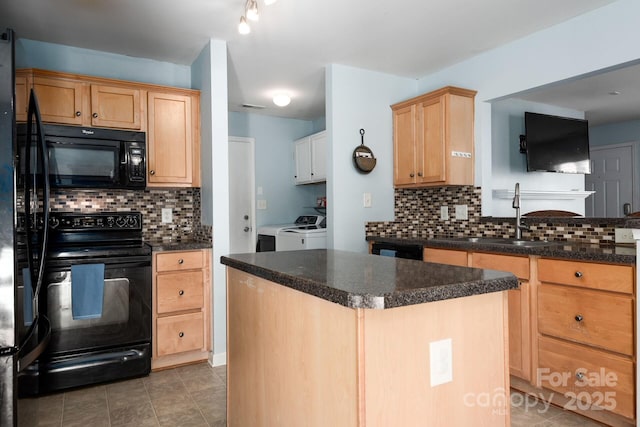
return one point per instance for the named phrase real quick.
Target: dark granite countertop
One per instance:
(178, 245)
(369, 281)
(565, 250)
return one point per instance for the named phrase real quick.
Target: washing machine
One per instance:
(267, 234)
(300, 238)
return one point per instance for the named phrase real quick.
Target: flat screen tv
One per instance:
(556, 144)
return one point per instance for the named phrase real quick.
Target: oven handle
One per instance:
(93, 361)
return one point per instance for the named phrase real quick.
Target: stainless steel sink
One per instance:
(499, 241)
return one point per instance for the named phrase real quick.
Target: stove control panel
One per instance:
(96, 221)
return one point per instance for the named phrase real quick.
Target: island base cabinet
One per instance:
(295, 359)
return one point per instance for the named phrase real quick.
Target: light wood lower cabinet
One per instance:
(572, 331)
(181, 307)
(586, 336)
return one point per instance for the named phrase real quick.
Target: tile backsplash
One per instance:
(417, 214)
(184, 203)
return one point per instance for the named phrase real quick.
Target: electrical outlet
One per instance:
(624, 235)
(262, 204)
(462, 212)
(167, 216)
(366, 200)
(444, 213)
(441, 362)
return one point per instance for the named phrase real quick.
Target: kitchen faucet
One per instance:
(516, 205)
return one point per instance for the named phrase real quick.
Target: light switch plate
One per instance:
(167, 216)
(462, 212)
(366, 200)
(444, 213)
(262, 204)
(441, 362)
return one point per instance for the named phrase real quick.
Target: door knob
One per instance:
(247, 229)
(246, 217)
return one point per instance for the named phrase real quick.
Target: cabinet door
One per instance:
(115, 107)
(303, 160)
(404, 145)
(60, 100)
(22, 96)
(319, 157)
(170, 139)
(431, 148)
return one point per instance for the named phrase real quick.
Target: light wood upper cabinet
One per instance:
(115, 107)
(23, 86)
(171, 141)
(433, 139)
(80, 102)
(61, 100)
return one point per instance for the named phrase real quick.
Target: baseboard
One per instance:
(217, 359)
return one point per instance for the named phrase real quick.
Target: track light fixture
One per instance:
(251, 13)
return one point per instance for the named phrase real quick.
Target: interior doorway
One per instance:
(242, 222)
(612, 178)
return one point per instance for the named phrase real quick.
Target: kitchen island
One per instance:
(324, 337)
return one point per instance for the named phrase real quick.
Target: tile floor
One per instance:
(195, 396)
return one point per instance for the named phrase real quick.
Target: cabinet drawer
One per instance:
(608, 380)
(179, 291)
(171, 261)
(445, 256)
(180, 333)
(615, 278)
(513, 264)
(590, 317)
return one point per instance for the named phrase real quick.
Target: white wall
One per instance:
(49, 56)
(210, 75)
(360, 99)
(508, 164)
(596, 40)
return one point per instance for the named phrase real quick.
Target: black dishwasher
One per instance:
(397, 250)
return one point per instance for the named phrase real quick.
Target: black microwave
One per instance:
(81, 157)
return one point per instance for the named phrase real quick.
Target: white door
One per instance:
(612, 180)
(241, 195)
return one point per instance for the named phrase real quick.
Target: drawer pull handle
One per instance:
(152, 172)
(181, 292)
(78, 113)
(579, 318)
(180, 261)
(181, 334)
(578, 274)
(579, 375)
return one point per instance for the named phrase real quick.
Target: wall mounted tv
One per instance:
(556, 144)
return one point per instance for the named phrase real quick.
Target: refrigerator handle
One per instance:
(43, 326)
(43, 158)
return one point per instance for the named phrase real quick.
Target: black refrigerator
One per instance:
(24, 211)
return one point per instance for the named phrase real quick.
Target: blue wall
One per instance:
(48, 56)
(614, 133)
(275, 165)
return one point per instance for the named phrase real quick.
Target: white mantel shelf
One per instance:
(543, 194)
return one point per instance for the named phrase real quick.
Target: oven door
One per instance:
(126, 310)
(83, 162)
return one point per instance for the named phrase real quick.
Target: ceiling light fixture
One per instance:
(281, 99)
(251, 9)
(243, 26)
(251, 13)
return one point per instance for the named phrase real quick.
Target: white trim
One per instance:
(543, 194)
(636, 237)
(219, 359)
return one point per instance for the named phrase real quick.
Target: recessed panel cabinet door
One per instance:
(404, 135)
(60, 100)
(115, 107)
(433, 144)
(22, 96)
(170, 139)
